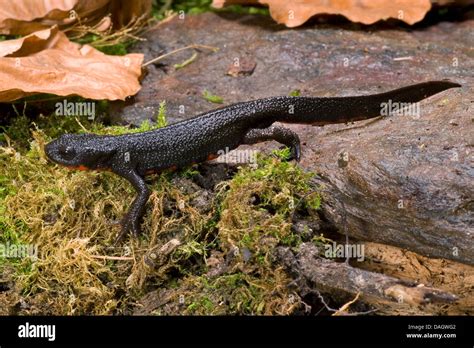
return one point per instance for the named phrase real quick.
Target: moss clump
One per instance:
(253, 218)
(238, 293)
(295, 93)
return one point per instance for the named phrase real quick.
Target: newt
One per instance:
(199, 139)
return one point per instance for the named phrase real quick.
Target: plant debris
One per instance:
(212, 97)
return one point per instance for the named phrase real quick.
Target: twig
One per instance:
(16, 111)
(165, 7)
(168, 17)
(402, 58)
(82, 126)
(321, 298)
(344, 308)
(108, 37)
(186, 62)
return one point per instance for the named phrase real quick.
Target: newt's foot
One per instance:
(295, 153)
(129, 225)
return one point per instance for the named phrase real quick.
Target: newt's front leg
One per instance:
(131, 221)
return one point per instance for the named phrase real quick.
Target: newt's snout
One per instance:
(49, 150)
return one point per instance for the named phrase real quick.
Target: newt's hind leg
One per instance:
(283, 135)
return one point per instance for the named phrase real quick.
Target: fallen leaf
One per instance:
(47, 62)
(295, 13)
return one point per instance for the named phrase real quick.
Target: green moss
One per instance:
(161, 116)
(18, 131)
(204, 305)
(313, 200)
(118, 49)
(189, 172)
(193, 6)
(295, 93)
(114, 50)
(145, 126)
(248, 10)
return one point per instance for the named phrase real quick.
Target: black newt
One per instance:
(199, 139)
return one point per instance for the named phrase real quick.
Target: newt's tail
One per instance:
(321, 111)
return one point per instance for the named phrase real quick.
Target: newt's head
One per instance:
(79, 151)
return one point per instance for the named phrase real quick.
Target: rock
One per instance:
(403, 181)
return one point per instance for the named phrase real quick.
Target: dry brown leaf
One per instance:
(64, 68)
(21, 17)
(295, 13)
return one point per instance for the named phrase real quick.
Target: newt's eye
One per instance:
(67, 152)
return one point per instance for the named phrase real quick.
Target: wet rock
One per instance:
(390, 181)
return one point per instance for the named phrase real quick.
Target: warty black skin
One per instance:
(196, 140)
